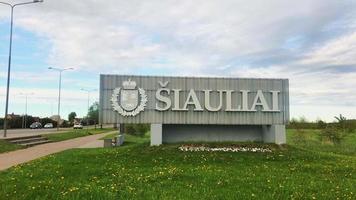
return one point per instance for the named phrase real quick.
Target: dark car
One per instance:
(36, 125)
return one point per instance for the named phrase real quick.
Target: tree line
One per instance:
(18, 121)
(91, 118)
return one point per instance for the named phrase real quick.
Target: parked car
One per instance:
(36, 125)
(48, 125)
(78, 126)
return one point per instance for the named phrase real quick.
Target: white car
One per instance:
(48, 125)
(78, 126)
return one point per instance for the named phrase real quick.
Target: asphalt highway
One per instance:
(28, 132)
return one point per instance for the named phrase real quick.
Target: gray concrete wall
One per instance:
(172, 133)
(274, 134)
(156, 134)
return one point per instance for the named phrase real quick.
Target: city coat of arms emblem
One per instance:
(129, 100)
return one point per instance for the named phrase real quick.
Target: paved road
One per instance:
(13, 158)
(29, 132)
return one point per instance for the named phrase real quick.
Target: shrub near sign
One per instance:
(198, 109)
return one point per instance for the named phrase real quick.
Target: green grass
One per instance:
(56, 137)
(139, 171)
(312, 142)
(110, 136)
(130, 139)
(6, 146)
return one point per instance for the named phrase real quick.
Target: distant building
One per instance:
(57, 118)
(12, 116)
(77, 120)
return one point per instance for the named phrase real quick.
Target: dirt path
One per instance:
(13, 158)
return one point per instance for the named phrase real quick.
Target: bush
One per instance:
(65, 124)
(336, 132)
(332, 134)
(300, 136)
(302, 123)
(136, 129)
(321, 124)
(141, 129)
(129, 129)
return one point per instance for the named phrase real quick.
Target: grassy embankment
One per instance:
(302, 170)
(312, 142)
(55, 137)
(75, 133)
(6, 146)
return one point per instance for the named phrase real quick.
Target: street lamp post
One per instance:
(60, 70)
(24, 123)
(10, 51)
(88, 91)
(51, 105)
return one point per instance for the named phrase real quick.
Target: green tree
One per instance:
(337, 132)
(48, 120)
(93, 113)
(72, 116)
(321, 124)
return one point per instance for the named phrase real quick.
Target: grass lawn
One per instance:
(139, 171)
(130, 139)
(56, 137)
(6, 146)
(312, 142)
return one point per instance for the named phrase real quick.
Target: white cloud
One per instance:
(127, 35)
(340, 51)
(310, 42)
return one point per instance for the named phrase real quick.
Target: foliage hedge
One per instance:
(136, 129)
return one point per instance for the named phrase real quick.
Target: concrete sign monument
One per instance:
(198, 109)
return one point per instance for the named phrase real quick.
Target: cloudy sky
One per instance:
(310, 42)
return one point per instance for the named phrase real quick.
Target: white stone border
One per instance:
(224, 149)
(116, 106)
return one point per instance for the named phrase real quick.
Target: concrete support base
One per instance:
(156, 134)
(121, 128)
(274, 134)
(175, 133)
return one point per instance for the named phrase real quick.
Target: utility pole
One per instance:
(24, 123)
(88, 91)
(60, 70)
(10, 52)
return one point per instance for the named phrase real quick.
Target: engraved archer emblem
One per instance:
(130, 100)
